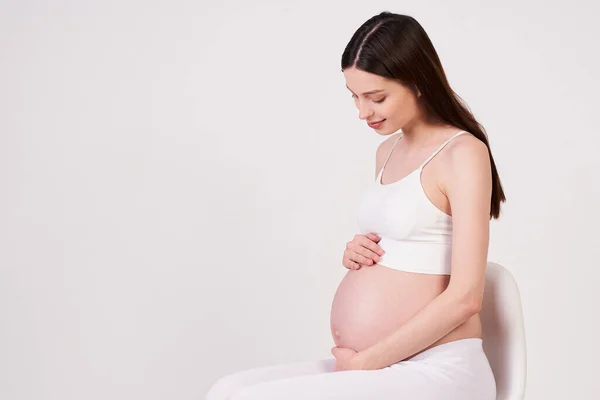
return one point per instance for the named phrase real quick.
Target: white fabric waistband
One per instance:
(450, 347)
(413, 256)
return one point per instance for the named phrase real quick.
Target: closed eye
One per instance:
(375, 101)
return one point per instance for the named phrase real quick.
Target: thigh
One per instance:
(406, 382)
(381, 384)
(225, 386)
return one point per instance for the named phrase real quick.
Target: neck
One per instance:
(420, 133)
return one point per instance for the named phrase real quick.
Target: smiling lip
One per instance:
(375, 124)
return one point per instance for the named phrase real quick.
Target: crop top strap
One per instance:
(390, 153)
(441, 147)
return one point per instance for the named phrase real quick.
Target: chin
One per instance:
(389, 132)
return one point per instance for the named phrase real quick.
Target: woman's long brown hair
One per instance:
(397, 47)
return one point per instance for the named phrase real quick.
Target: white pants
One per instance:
(457, 370)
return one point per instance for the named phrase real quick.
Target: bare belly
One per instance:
(374, 301)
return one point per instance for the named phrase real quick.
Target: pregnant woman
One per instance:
(405, 318)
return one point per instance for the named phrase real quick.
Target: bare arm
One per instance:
(468, 188)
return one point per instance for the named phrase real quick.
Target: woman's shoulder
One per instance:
(467, 158)
(466, 145)
(462, 151)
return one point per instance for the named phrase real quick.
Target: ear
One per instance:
(416, 89)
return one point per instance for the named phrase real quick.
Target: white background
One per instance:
(178, 181)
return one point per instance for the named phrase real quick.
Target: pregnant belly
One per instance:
(372, 302)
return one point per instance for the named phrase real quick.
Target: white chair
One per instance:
(504, 332)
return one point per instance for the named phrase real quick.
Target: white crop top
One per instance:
(415, 235)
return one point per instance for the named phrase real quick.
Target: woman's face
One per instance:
(378, 98)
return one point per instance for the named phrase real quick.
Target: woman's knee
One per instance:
(223, 387)
(253, 392)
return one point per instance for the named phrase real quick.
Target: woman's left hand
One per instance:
(345, 359)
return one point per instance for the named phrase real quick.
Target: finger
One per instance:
(369, 244)
(353, 260)
(362, 255)
(369, 248)
(347, 260)
(373, 236)
(347, 263)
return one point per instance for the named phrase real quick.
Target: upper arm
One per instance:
(468, 187)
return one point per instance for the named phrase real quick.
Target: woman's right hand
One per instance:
(362, 250)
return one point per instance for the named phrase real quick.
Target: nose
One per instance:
(364, 111)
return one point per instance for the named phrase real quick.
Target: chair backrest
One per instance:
(504, 332)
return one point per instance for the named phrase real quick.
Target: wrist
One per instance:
(364, 360)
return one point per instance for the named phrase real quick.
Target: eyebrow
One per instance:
(369, 92)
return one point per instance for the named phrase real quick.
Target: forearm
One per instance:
(438, 318)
